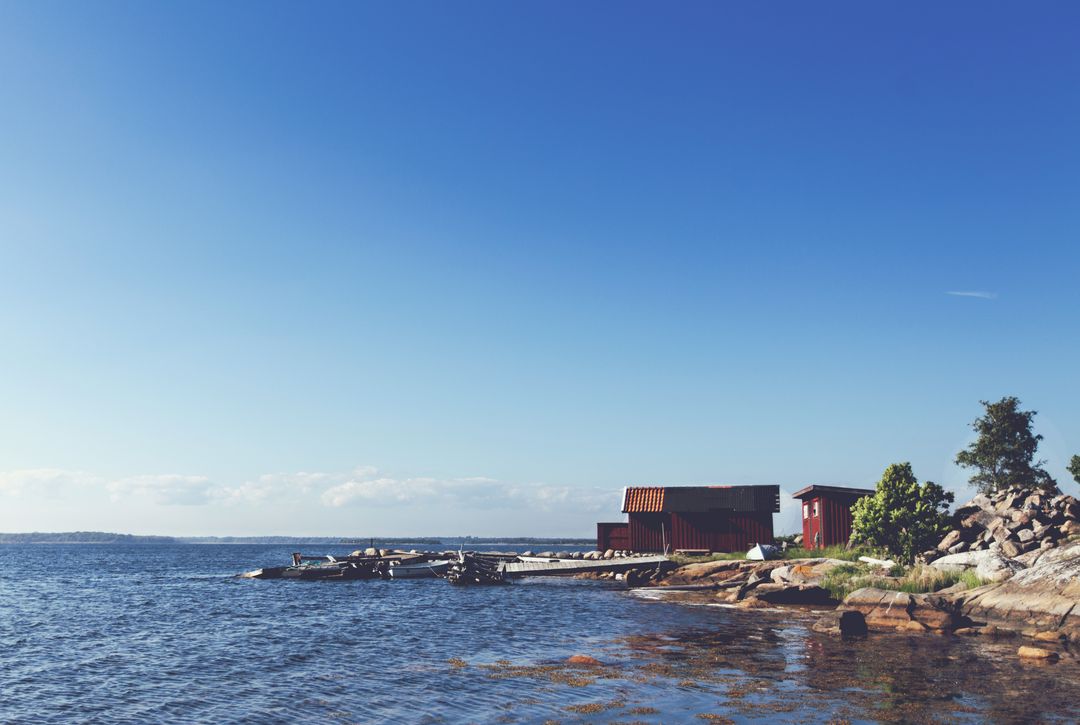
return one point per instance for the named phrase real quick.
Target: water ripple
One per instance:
(167, 634)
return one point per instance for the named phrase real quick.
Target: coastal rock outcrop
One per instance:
(1041, 598)
(886, 610)
(806, 571)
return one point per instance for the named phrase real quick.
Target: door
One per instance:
(813, 534)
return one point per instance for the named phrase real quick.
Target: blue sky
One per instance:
(372, 269)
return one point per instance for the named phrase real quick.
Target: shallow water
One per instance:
(146, 634)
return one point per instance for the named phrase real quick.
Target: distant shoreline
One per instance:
(100, 537)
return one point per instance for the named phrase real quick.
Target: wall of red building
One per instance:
(718, 532)
(614, 536)
(833, 521)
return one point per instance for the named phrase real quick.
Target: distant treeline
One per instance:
(84, 537)
(102, 537)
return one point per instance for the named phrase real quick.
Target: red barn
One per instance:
(826, 514)
(708, 518)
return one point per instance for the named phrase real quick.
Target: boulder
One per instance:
(1038, 653)
(842, 623)
(951, 539)
(1069, 528)
(1025, 535)
(887, 610)
(980, 518)
(988, 565)
(1011, 548)
(1049, 636)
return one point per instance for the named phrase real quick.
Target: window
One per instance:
(815, 509)
(806, 510)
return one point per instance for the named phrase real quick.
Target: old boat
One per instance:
(420, 570)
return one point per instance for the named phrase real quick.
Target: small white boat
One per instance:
(763, 552)
(420, 570)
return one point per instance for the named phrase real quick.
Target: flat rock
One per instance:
(705, 572)
(793, 594)
(807, 571)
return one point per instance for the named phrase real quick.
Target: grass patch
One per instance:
(846, 578)
(923, 579)
(837, 551)
(793, 552)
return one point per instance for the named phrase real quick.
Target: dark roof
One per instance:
(657, 499)
(815, 490)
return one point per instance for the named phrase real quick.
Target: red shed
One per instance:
(615, 536)
(710, 518)
(826, 514)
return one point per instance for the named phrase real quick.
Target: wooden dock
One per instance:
(563, 567)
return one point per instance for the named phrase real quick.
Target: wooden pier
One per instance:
(563, 567)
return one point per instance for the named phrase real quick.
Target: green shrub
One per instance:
(902, 518)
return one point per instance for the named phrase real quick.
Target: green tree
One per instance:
(902, 517)
(1074, 468)
(1003, 455)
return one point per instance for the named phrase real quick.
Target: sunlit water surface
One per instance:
(146, 634)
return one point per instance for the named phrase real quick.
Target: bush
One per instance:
(902, 518)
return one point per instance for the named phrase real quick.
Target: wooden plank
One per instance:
(577, 566)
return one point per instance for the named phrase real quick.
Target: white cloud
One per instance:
(974, 293)
(43, 481)
(364, 486)
(168, 489)
(276, 486)
(474, 492)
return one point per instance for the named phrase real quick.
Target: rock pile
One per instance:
(1012, 522)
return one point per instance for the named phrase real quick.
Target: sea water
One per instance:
(163, 633)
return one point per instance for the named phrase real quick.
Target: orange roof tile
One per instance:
(643, 499)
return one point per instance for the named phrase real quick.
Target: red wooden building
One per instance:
(710, 518)
(826, 514)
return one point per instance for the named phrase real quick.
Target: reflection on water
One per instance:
(163, 633)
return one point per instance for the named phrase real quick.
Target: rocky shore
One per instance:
(1019, 551)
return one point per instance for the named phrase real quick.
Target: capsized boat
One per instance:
(763, 552)
(420, 570)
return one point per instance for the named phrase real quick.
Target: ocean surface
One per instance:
(147, 634)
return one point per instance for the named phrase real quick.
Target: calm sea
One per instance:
(146, 634)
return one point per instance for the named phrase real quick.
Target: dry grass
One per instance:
(845, 579)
